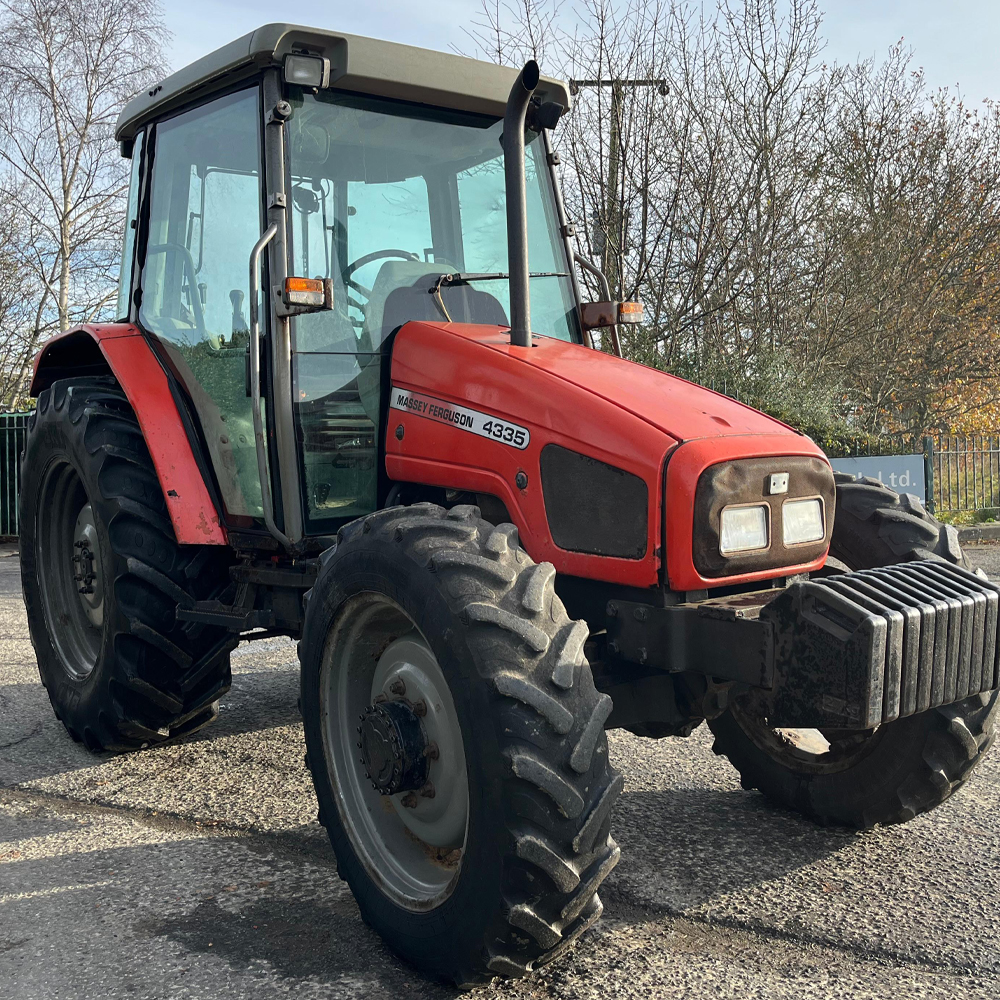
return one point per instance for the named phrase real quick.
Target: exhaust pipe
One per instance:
(517, 202)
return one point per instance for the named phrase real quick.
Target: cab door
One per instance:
(205, 212)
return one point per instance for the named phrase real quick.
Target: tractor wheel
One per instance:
(103, 575)
(893, 772)
(456, 742)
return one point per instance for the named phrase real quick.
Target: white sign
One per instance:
(902, 473)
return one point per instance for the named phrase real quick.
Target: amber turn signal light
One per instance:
(629, 312)
(594, 315)
(309, 293)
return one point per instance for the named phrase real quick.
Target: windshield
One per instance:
(385, 198)
(384, 194)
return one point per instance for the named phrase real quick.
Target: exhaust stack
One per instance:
(517, 202)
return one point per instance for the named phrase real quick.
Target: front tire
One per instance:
(440, 620)
(102, 576)
(900, 769)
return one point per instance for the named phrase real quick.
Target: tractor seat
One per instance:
(401, 293)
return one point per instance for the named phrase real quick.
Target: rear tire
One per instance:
(103, 575)
(536, 843)
(900, 769)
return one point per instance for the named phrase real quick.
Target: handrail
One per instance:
(267, 500)
(589, 265)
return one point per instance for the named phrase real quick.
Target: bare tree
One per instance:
(819, 240)
(66, 69)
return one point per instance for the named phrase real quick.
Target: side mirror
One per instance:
(595, 315)
(306, 295)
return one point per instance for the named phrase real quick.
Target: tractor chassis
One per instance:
(849, 651)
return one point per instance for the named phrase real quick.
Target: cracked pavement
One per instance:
(198, 870)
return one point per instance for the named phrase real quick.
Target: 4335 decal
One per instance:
(472, 421)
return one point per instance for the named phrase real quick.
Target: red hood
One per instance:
(682, 409)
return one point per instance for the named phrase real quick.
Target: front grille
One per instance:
(899, 639)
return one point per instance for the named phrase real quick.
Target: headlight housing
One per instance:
(802, 521)
(731, 500)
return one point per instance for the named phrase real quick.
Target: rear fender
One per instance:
(120, 349)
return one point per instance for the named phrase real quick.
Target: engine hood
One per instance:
(683, 410)
(472, 413)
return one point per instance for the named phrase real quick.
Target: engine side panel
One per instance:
(476, 368)
(138, 371)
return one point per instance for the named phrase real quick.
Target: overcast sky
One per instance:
(956, 41)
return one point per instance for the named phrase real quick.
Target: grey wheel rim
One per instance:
(70, 570)
(410, 843)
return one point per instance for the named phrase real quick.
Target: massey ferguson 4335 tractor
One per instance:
(326, 412)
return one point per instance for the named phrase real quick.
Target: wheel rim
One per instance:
(412, 841)
(70, 570)
(809, 751)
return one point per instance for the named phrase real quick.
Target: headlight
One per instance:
(743, 529)
(802, 521)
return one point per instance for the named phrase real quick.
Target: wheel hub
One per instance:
(86, 562)
(393, 748)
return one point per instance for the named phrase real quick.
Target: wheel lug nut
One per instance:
(428, 791)
(409, 801)
(431, 751)
(420, 708)
(397, 687)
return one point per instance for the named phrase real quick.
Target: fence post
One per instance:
(929, 473)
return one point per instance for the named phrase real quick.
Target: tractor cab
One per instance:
(378, 190)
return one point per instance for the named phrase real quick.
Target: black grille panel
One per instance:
(593, 507)
(880, 644)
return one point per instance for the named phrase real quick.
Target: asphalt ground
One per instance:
(198, 870)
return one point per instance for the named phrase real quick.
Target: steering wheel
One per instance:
(367, 259)
(192, 276)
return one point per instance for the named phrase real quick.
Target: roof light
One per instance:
(307, 71)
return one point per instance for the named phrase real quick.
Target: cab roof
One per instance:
(363, 65)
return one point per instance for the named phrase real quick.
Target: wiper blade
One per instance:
(458, 278)
(461, 278)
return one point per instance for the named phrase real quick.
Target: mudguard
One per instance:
(122, 350)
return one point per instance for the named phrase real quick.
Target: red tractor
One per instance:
(326, 412)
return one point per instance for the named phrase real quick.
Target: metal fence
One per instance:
(13, 429)
(962, 473)
(966, 472)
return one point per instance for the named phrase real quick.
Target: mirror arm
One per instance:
(589, 265)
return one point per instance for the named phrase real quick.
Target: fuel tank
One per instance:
(581, 447)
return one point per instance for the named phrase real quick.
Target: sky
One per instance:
(955, 41)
